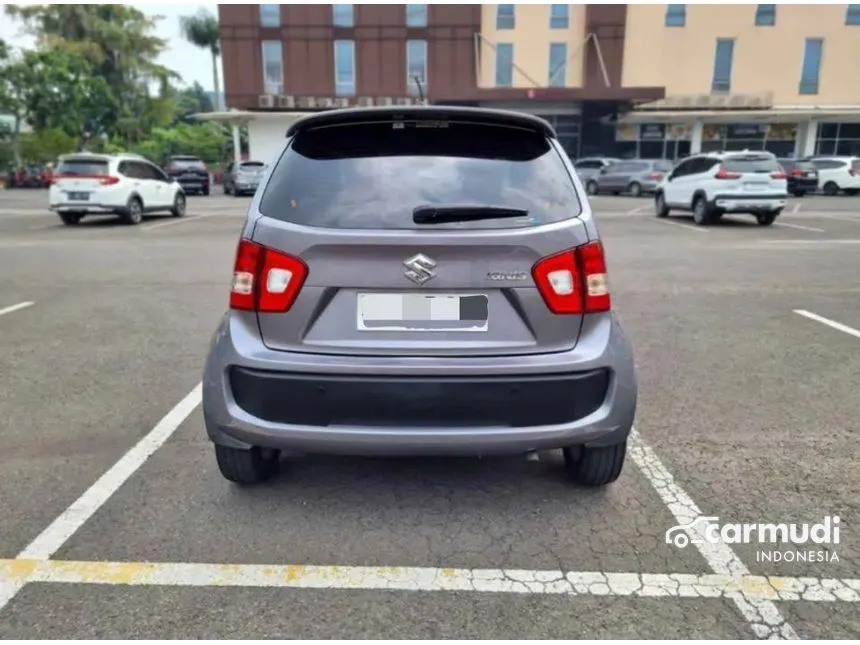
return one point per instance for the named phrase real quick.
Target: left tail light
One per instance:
(265, 280)
(109, 181)
(574, 281)
(656, 176)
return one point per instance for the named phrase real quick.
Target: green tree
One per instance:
(193, 100)
(202, 31)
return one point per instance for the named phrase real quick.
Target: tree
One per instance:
(202, 31)
(193, 100)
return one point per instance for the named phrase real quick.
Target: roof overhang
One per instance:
(847, 114)
(243, 117)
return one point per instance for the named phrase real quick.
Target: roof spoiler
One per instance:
(365, 115)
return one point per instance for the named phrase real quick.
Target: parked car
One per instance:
(589, 167)
(801, 175)
(837, 174)
(191, 173)
(127, 185)
(713, 184)
(634, 177)
(243, 177)
(377, 307)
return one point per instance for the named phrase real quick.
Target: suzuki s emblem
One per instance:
(419, 268)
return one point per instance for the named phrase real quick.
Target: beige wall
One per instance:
(531, 39)
(681, 59)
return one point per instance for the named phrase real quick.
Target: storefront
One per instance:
(838, 139)
(652, 140)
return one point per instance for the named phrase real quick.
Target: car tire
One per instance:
(226, 190)
(799, 193)
(660, 208)
(595, 466)
(179, 205)
(701, 211)
(205, 191)
(71, 219)
(831, 188)
(246, 467)
(766, 219)
(635, 189)
(591, 188)
(852, 192)
(133, 212)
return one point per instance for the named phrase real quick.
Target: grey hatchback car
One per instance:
(420, 281)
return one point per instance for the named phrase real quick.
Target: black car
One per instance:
(191, 173)
(801, 175)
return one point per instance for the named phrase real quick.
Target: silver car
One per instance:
(589, 167)
(420, 281)
(243, 178)
(634, 177)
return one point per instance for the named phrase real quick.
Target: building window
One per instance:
(416, 67)
(852, 15)
(765, 15)
(270, 15)
(811, 65)
(505, 17)
(676, 15)
(557, 64)
(722, 81)
(342, 15)
(416, 15)
(344, 67)
(504, 65)
(273, 67)
(559, 16)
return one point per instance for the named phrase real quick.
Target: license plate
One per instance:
(755, 185)
(420, 312)
(79, 197)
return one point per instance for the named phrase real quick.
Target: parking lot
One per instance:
(117, 524)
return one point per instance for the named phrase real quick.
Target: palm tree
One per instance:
(202, 30)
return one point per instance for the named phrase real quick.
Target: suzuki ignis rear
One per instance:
(420, 281)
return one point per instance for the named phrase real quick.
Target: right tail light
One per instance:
(265, 280)
(574, 281)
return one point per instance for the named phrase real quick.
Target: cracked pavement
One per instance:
(747, 412)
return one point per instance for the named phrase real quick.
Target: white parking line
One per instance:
(796, 208)
(639, 209)
(830, 323)
(49, 541)
(763, 615)
(178, 220)
(18, 307)
(799, 227)
(687, 227)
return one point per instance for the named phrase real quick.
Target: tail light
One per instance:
(779, 174)
(722, 173)
(657, 176)
(797, 172)
(109, 181)
(852, 171)
(265, 280)
(574, 281)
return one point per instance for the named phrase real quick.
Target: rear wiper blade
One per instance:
(442, 214)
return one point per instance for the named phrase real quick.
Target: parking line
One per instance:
(799, 227)
(18, 307)
(639, 209)
(687, 227)
(796, 208)
(763, 615)
(830, 323)
(178, 220)
(516, 581)
(49, 541)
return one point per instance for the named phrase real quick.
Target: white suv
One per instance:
(837, 174)
(712, 184)
(125, 184)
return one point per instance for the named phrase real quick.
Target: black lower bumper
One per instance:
(323, 400)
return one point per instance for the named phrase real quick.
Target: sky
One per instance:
(191, 63)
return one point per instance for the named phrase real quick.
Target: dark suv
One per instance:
(190, 172)
(801, 174)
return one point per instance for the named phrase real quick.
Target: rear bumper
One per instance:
(87, 207)
(803, 184)
(747, 203)
(253, 396)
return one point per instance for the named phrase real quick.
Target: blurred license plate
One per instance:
(79, 197)
(756, 185)
(422, 312)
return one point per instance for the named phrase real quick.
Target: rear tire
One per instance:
(595, 466)
(179, 206)
(71, 219)
(852, 192)
(205, 191)
(701, 211)
(799, 193)
(591, 188)
(766, 219)
(133, 212)
(635, 189)
(660, 208)
(226, 190)
(246, 467)
(831, 188)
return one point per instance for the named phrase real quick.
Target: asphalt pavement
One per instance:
(117, 524)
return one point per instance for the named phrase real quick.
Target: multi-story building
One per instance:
(646, 80)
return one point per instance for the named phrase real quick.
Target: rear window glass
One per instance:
(665, 166)
(82, 167)
(251, 164)
(186, 163)
(751, 163)
(373, 175)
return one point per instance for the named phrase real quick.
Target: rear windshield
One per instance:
(665, 166)
(82, 167)
(187, 163)
(251, 164)
(373, 175)
(751, 163)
